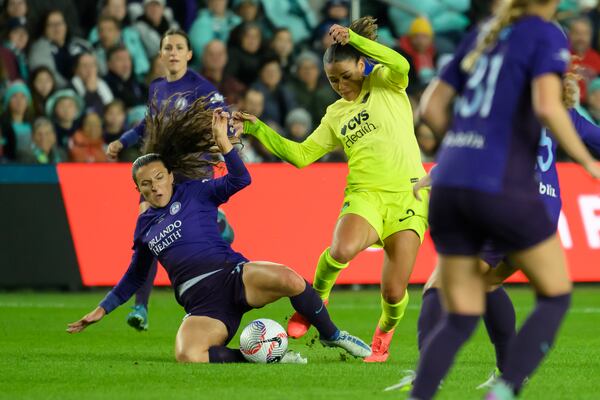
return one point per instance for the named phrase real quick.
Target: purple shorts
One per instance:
(224, 300)
(465, 222)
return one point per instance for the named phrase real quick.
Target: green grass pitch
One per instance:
(112, 361)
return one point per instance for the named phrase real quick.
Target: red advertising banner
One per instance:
(286, 216)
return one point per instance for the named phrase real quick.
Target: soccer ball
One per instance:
(263, 341)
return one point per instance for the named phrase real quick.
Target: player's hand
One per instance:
(592, 168)
(220, 125)
(239, 117)
(84, 322)
(423, 183)
(113, 149)
(339, 34)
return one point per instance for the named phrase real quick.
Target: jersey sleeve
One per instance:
(236, 179)
(315, 146)
(396, 66)
(589, 132)
(134, 277)
(551, 53)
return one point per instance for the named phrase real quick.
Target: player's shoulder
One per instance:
(536, 28)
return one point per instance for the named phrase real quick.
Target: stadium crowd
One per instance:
(74, 74)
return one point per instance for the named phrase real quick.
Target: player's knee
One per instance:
(343, 252)
(394, 294)
(191, 356)
(291, 281)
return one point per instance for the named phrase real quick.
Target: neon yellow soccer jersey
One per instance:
(375, 130)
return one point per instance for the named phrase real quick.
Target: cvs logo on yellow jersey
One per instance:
(357, 127)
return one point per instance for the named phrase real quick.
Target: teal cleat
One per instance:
(500, 391)
(351, 344)
(138, 318)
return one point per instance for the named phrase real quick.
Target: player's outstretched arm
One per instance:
(91, 318)
(298, 154)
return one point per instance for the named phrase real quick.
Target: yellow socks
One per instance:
(326, 274)
(391, 314)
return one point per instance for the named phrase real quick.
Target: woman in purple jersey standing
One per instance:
(507, 80)
(178, 89)
(214, 284)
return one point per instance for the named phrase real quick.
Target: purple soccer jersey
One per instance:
(184, 235)
(492, 143)
(545, 166)
(182, 93)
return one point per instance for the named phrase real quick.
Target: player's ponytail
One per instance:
(366, 27)
(508, 13)
(182, 138)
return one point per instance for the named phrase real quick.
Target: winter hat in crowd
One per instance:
(420, 25)
(59, 94)
(15, 87)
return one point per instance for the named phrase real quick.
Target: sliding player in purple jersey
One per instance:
(178, 89)
(214, 284)
(507, 80)
(499, 314)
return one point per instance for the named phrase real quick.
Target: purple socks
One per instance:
(310, 306)
(143, 293)
(500, 322)
(222, 354)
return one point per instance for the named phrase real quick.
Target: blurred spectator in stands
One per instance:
(481, 10)
(333, 12)
(120, 78)
(94, 90)
(114, 121)
(15, 122)
(214, 60)
(157, 70)
(296, 15)
(184, 12)
(249, 11)
(213, 22)
(152, 24)
(245, 57)
(418, 44)
(13, 9)
(13, 49)
(279, 100)
(427, 142)
(593, 100)
(56, 48)
(64, 107)
(594, 16)
(37, 12)
(322, 39)
(310, 92)
(109, 35)
(4, 79)
(42, 85)
(587, 62)
(298, 124)
(448, 19)
(283, 47)
(128, 35)
(43, 149)
(86, 144)
(253, 102)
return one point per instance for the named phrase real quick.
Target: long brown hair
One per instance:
(182, 138)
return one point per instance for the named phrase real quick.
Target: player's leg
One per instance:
(545, 266)
(463, 294)
(202, 339)
(138, 318)
(353, 233)
(266, 282)
(400, 254)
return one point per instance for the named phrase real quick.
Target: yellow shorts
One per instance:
(389, 212)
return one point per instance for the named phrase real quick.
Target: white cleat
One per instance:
(490, 380)
(351, 344)
(291, 357)
(405, 384)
